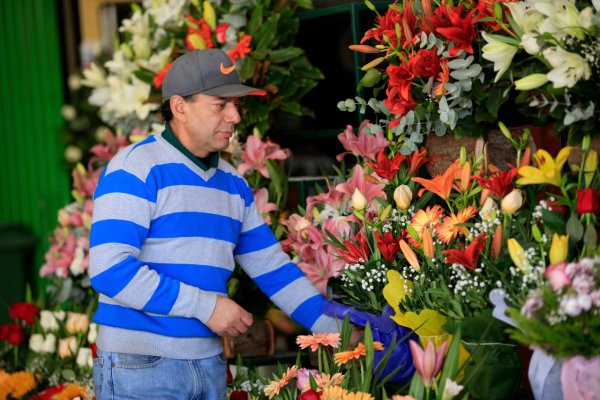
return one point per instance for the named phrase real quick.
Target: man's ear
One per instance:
(178, 107)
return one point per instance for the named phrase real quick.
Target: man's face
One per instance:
(209, 123)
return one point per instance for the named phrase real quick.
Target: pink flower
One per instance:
(302, 238)
(557, 275)
(360, 182)
(364, 145)
(333, 198)
(326, 265)
(256, 154)
(221, 31)
(261, 198)
(428, 362)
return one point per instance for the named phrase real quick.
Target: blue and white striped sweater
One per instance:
(165, 237)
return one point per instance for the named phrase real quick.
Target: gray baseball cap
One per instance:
(209, 71)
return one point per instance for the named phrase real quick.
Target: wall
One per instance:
(34, 182)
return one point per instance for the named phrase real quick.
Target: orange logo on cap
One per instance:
(227, 70)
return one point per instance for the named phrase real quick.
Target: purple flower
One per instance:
(532, 305)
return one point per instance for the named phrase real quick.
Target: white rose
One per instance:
(36, 341)
(49, 344)
(93, 333)
(48, 321)
(84, 357)
(60, 315)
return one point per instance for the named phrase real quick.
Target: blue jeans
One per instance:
(132, 376)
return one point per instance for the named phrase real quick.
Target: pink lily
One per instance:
(428, 362)
(359, 181)
(325, 266)
(364, 144)
(333, 198)
(256, 153)
(261, 198)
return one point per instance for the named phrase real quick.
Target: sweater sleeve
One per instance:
(123, 209)
(261, 256)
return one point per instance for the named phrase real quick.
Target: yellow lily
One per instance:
(589, 166)
(518, 255)
(559, 249)
(548, 169)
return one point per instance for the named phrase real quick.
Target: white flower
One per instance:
(165, 11)
(530, 43)
(49, 345)
(562, 18)
(74, 82)
(60, 315)
(500, 53)
(92, 333)
(36, 342)
(84, 357)
(526, 17)
(586, 16)
(48, 321)
(488, 211)
(94, 76)
(451, 389)
(568, 68)
(76, 266)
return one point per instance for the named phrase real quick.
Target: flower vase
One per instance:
(580, 378)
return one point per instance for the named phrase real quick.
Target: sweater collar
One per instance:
(205, 163)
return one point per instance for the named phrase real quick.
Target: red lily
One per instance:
(415, 160)
(386, 168)
(462, 30)
(500, 183)
(467, 257)
(356, 251)
(387, 245)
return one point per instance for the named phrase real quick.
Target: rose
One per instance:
(48, 321)
(12, 333)
(84, 357)
(77, 323)
(557, 275)
(25, 311)
(67, 347)
(238, 395)
(310, 394)
(588, 201)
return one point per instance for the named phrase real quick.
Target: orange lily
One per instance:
(410, 255)
(440, 184)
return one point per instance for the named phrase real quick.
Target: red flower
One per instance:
(387, 245)
(461, 30)
(221, 31)
(385, 167)
(160, 76)
(467, 257)
(500, 183)
(559, 209)
(49, 393)
(229, 374)
(356, 250)
(241, 49)
(415, 160)
(238, 395)
(310, 394)
(94, 349)
(588, 201)
(200, 28)
(12, 333)
(25, 311)
(425, 63)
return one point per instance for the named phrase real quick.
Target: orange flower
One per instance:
(344, 356)
(443, 78)
(427, 243)
(6, 384)
(378, 346)
(427, 218)
(73, 392)
(333, 393)
(324, 380)
(440, 184)
(313, 341)
(241, 49)
(23, 383)
(463, 175)
(415, 160)
(453, 224)
(358, 396)
(274, 387)
(410, 255)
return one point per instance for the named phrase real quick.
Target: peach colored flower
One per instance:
(358, 396)
(274, 387)
(333, 393)
(313, 341)
(324, 380)
(453, 225)
(344, 356)
(426, 218)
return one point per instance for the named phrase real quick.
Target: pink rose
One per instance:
(557, 275)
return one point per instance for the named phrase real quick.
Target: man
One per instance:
(170, 220)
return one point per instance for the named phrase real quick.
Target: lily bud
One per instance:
(427, 243)
(209, 14)
(488, 211)
(496, 246)
(403, 196)
(531, 82)
(585, 142)
(386, 213)
(589, 166)
(517, 254)
(410, 255)
(363, 48)
(559, 249)
(512, 202)
(359, 201)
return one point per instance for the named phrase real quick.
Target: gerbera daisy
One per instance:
(324, 380)
(313, 341)
(426, 218)
(333, 393)
(358, 396)
(72, 392)
(344, 356)
(23, 383)
(453, 224)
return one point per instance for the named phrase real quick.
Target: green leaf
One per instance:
(307, 4)
(590, 238)
(68, 375)
(554, 221)
(285, 54)
(256, 19)
(267, 33)
(371, 78)
(292, 108)
(575, 228)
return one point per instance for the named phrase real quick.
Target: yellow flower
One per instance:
(512, 202)
(559, 248)
(518, 255)
(589, 166)
(531, 82)
(548, 169)
(403, 196)
(359, 201)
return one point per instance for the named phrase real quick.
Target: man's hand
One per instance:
(229, 318)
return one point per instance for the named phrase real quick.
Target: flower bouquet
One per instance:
(428, 67)
(548, 52)
(257, 36)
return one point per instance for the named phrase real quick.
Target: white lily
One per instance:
(568, 68)
(530, 43)
(500, 53)
(165, 12)
(93, 76)
(531, 81)
(526, 17)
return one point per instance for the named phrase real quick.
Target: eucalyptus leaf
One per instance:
(68, 375)
(590, 237)
(575, 228)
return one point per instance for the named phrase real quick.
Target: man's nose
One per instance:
(233, 114)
